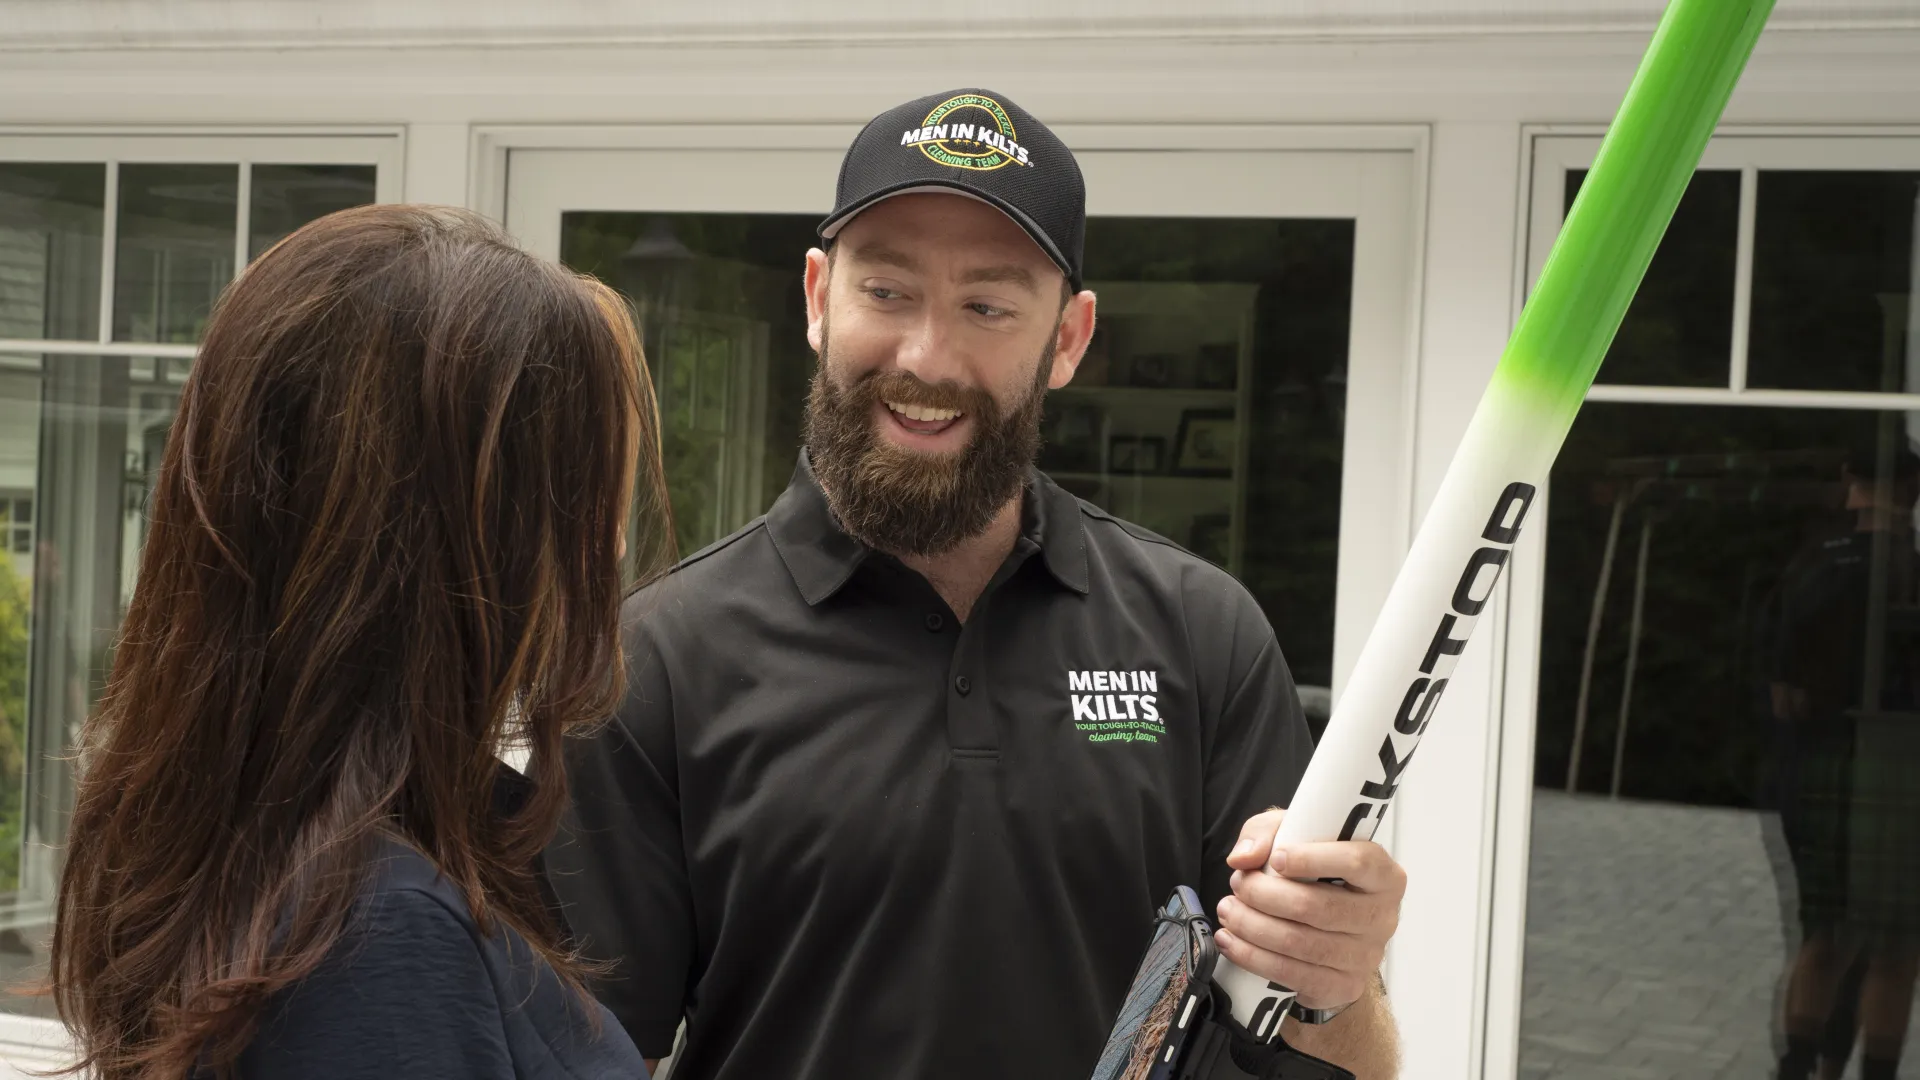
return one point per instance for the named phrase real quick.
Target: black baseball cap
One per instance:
(975, 143)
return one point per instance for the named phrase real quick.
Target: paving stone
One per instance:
(1656, 943)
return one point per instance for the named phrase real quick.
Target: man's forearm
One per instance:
(1363, 1040)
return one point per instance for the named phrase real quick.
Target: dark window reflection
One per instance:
(175, 249)
(1726, 844)
(286, 197)
(1832, 271)
(1187, 305)
(1211, 408)
(724, 324)
(1679, 330)
(50, 218)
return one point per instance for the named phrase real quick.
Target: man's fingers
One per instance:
(1318, 987)
(1256, 841)
(1362, 864)
(1297, 941)
(1332, 908)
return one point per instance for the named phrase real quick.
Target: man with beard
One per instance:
(906, 766)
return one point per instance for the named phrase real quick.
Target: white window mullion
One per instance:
(242, 219)
(109, 240)
(57, 347)
(1743, 279)
(1778, 399)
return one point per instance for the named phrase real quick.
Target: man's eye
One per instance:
(988, 310)
(882, 293)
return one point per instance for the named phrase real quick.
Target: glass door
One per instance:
(1716, 789)
(1242, 396)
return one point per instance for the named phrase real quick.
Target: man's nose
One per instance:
(930, 351)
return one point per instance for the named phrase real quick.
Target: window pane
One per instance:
(80, 439)
(286, 197)
(1215, 400)
(175, 249)
(724, 327)
(1211, 409)
(1679, 329)
(1833, 257)
(50, 218)
(1732, 643)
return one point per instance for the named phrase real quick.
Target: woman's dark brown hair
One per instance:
(384, 545)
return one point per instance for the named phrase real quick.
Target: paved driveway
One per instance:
(1655, 944)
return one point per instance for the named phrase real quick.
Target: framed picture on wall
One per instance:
(1211, 537)
(1085, 487)
(1071, 436)
(1154, 370)
(1218, 367)
(1134, 454)
(1207, 442)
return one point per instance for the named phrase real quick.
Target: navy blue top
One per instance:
(415, 989)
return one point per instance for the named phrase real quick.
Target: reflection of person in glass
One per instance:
(1843, 659)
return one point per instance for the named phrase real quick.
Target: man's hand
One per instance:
(1323, 941)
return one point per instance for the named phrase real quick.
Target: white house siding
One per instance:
(1477, 79)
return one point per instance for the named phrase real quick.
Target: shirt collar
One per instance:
(1051, 518)
(822, 558)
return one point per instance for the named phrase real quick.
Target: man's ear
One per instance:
(815, 286)
(1071, 338)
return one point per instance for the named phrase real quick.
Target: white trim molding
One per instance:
(306, 24)
(31, 1046)
(491, 144)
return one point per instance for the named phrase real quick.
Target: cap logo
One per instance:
(968, 132)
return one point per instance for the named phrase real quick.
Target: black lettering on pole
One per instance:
(1354, 817)
(1264, 1019)
(1501, 533)
(1406, 723)
(1409, 722)
(1444, 644)
(1464, 601)
(1391, 766)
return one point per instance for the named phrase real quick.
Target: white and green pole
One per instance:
(1610, 234)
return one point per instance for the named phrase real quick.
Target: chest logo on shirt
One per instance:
(1116, 706)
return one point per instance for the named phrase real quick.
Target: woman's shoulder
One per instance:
(404, 883)
(415, 988)
(406, 990)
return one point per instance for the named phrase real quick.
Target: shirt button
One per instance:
(962, 685)
(935, 622)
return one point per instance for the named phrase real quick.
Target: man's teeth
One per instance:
(922, 413)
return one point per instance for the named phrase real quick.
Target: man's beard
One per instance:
(911, 502)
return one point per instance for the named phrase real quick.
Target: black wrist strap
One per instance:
(1222, 1050)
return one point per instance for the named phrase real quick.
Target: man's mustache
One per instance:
(906, 388)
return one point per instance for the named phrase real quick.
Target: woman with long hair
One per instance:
(385, 550)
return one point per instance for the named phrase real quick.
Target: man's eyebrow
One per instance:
(1001, 275)
(886, 256)
(1005, 274)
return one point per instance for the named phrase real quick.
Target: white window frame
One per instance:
(383, 148)
(1550, 152)
(34, 1042)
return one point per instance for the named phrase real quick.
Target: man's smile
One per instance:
(923, 420)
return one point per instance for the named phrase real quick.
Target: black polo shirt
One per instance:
(852, 837)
